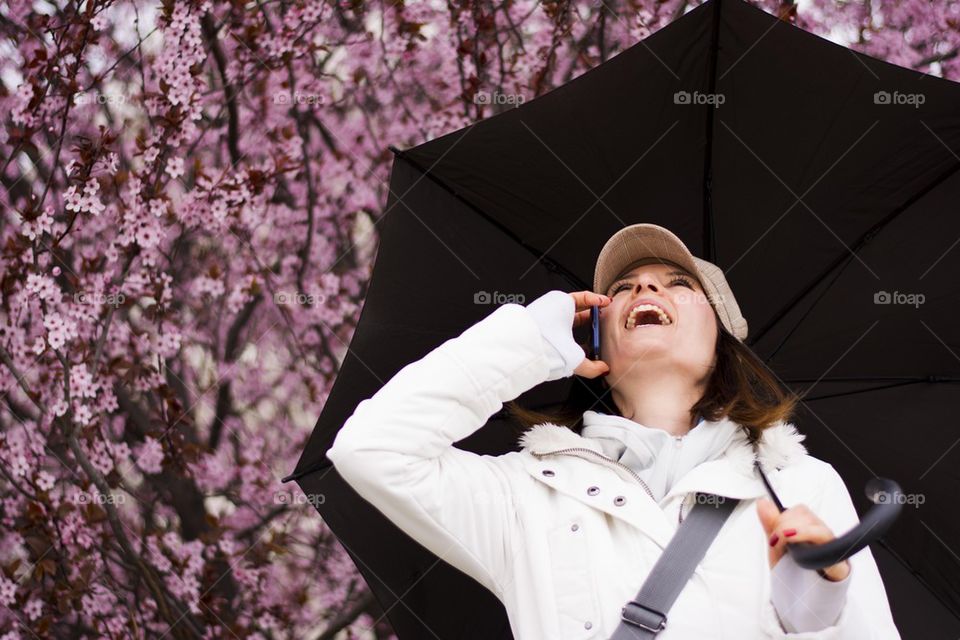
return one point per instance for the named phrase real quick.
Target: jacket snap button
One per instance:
(592, 491)
(549, 473)
(574, 527)
(588, 625)
(619, 501)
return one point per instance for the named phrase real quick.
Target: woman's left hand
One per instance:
(796, 524)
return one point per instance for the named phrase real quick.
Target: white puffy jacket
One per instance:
(563, 559)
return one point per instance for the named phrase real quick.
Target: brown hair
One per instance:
(740, 388)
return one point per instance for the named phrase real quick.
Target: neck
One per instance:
(661, 400)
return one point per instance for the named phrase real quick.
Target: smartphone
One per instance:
(594, 332)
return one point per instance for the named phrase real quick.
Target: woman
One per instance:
(565, 530)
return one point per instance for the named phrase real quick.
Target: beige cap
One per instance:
(644, 243)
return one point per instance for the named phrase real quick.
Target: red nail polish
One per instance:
(774, 539)
(789, 532)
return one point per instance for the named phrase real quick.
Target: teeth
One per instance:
(632, 318)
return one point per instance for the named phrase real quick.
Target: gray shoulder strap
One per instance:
(646, 615)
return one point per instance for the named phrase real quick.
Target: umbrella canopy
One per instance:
(823, 181)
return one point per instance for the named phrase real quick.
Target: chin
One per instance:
(647, 348)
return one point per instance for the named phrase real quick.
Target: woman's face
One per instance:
(682, 338)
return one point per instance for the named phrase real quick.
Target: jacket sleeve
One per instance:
(804, 600)
(866, 614)
(397, 452)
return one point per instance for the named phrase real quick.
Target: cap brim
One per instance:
(639, 244)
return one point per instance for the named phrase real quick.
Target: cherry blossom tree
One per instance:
(190, 194)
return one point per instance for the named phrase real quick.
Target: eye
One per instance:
(682, 281)
(617, 288)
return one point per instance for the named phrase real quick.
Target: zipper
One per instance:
(616, 463)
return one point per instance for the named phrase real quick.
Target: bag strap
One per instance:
(646, 615)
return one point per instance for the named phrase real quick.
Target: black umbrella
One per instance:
(823, 181)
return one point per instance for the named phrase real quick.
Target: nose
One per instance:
(645, 279)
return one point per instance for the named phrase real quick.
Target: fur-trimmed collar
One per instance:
(779, 446)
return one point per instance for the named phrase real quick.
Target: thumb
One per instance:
(591, 368)
(768, 513)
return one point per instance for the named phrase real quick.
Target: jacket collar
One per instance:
(731, 474)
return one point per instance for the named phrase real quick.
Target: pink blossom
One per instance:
(42, 224)
(150, 456)
(45, 481)
(20, 114)
(60, 329)
(88, 202)
(33, 609)
(175, 167)
(42, 286)
(8, 592)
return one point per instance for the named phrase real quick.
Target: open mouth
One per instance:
(647, 314)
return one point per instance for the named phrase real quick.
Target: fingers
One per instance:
(796, 524)
(587, 299)
(581, 318)
(583, 300)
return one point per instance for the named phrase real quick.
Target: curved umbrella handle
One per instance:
(886, 496)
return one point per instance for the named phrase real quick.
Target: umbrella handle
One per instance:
(886, 496)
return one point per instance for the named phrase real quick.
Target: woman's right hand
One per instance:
(583, 300)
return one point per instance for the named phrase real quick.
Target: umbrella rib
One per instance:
(930, 378)
(709, 239)
(841, 394)
(548, 262)
(859, 244)
(849, 259)
(950, 607)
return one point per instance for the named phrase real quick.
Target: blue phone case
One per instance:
(595, 332)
